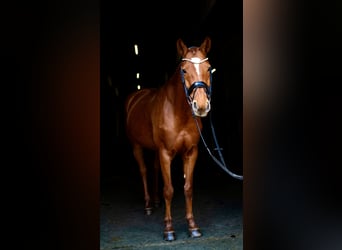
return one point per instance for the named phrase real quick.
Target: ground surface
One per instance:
(217, 210)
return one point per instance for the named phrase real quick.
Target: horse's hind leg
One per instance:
(139, 157)
(156, 169)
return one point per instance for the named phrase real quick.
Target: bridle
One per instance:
(198, 84)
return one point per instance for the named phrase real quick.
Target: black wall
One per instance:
(156, 30)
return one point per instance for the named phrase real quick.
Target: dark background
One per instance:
(291, 145)
(156, 30)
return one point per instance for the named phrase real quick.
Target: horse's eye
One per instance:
(184, 71)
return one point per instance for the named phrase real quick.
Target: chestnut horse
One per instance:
(164, 120)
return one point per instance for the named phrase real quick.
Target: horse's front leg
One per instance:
(189, 161)
(165, 164)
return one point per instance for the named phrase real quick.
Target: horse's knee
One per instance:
(187, 189)
(168, 192)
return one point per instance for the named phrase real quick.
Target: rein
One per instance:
(194, 86)
(221, 163)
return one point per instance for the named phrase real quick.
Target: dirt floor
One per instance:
(217, 205)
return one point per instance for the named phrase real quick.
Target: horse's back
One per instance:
(138, 108)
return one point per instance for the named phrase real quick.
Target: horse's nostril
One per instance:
(195, 104)
(208, 106)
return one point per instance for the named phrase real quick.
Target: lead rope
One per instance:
(221, 163)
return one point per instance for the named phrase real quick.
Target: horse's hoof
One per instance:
(148, 210)
(195, 233)
(169, 235)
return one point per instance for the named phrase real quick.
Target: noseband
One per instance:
(197, 84)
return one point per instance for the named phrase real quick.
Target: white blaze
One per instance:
(196, 61)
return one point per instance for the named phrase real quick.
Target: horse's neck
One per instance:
(176, 96)
(175, 90)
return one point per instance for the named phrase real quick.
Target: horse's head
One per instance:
(196, 75)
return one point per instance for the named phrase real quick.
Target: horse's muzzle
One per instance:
(199, 110)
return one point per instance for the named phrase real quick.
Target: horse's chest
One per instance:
(180, 139)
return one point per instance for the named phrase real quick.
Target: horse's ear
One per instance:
(181, 47)
(206, 44)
